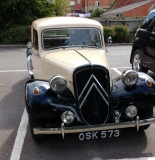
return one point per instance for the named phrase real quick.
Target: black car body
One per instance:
(143, 50)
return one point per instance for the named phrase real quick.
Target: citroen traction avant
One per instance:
(70, 90)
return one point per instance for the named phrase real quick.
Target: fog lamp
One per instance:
(129, 77)
(131, 111)
(67, 117)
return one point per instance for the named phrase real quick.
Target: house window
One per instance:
(97, 3)
(78, 1)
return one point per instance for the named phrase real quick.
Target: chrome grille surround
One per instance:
(91, 87)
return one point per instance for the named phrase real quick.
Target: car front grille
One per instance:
(91, 87)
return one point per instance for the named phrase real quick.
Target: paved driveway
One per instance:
(15, 138)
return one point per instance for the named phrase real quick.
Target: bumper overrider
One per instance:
(63, 130)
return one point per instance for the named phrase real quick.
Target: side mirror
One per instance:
(109, 43)
(109, 40)
(29, 45)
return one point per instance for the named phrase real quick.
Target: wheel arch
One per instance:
(134, 48)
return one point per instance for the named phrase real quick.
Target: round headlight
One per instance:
(58, 84)
(131, 111)
(129, 77)
(67, 117)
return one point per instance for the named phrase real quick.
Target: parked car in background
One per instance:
(70, 90)
(143, 50)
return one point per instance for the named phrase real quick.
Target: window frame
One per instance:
(100, 35)
(152, 14)
(35, 39)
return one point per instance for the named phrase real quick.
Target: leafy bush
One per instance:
(23, 12)
(96, 13)
(62, 7)
(16, 35)
(108, 32)
(121, 32)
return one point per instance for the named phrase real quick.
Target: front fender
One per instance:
(121, 94)
(46, 104)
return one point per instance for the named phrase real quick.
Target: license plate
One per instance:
(98, 134)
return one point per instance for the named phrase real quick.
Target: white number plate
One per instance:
(99, 134)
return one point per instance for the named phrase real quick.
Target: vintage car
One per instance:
(142, 55)
(70, 90)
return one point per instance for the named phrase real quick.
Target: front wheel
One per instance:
(145, 114)
(142, 128)
(137, 64)
(35, 122)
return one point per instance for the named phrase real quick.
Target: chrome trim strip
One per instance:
(98, 127)
(86, 96)
(93, 84)
(92, 76)
(85, 87)
(100, 86)
(100, 94)
(137, 122)
(63, 130)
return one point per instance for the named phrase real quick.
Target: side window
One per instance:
(153, 31)
(78, 1)
(151, 28)
(148, 20)
(35, 39)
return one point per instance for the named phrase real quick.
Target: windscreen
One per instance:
(71, 37)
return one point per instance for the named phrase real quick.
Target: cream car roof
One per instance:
(61, 22)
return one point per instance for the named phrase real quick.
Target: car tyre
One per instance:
(35, 122)
(142, 128)
(137, 64)
(146, 114)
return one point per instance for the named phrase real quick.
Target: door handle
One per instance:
(36, 54)
(152, 39)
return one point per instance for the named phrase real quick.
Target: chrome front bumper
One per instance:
(137, 123)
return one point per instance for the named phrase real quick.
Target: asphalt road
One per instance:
(17, 141)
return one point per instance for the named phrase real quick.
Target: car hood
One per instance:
(63, 62)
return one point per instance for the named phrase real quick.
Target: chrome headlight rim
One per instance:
(58, 78)
(127, 73)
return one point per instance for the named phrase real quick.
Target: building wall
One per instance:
(87, 5)
(140, 11)
(123, 3)
(78, 5)
(102, 2)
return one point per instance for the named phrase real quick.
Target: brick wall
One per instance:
(78, 4)
(122, 3)
(140, 11)
(102, 2)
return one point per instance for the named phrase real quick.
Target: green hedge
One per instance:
(118, 33)
(16, 35)
(121, 32)
(108, 32)
(22, 34)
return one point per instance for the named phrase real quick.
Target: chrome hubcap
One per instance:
(136, 62)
